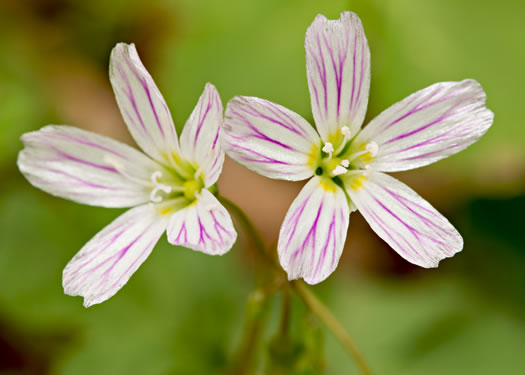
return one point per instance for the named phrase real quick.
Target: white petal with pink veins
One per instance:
(269, 139)
(404, 220)
(338, 68)
(429, 125)
(109, 259)
(314, 230)
(141, 103)
(199, 141)
(86, 167)
(204, 225)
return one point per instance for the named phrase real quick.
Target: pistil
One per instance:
(157, 186)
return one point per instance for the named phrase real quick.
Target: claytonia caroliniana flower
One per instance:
(169, 186)
(345, 163)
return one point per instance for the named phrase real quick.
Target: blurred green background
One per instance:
(182, 312)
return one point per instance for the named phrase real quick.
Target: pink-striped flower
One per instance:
(169, 186)
(345, 163)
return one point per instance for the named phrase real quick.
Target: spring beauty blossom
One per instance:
(345, 163)
(169, 186)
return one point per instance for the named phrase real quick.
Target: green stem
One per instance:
(326, 316)
(258, 303)
(256, 315)
(310, 300)
(285, 310)
(246, 223)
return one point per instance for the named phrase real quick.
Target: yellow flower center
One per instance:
(341, 159)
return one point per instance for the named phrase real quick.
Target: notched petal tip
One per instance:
(127, 49)
(345, 16)
(338, 71)
(141, 104)
(455, 247)
(319, 18)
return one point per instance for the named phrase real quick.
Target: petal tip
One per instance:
(348, 15)
(210, 86)
(309, 277)
(320, 18)
(205, 249)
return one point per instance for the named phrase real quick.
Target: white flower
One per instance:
(346, 163)
(168, 186)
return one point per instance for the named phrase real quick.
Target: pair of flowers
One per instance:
(171, 185)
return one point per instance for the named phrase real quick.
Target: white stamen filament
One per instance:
(372, 148)
(345, 130)
(155, 176)
(328, 148)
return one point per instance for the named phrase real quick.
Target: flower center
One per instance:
(169, 184)
(342, 157)
(177, 181)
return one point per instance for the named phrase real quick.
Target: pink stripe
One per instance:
(69, 138)
(202, 118)
(256, 113)
(257, 133)
(85, 162)
(441, 118)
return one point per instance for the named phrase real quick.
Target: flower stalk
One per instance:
(327, 317)
(285, 310)
(313, 303)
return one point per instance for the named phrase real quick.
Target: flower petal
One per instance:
(204, 226)
(338, 67)
(314, 230)
(109, 259)
(199, 140)
(85, 167)
(269, 139)
(141, 103)
(429, 125)
(404, 220)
